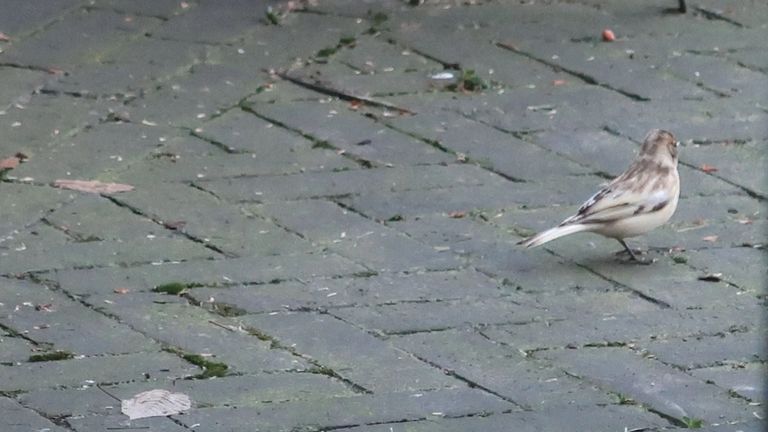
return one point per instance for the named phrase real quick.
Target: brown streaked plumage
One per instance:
(642, 198)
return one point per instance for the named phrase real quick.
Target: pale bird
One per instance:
(644, 197)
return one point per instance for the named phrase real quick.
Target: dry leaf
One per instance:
(4, 37)
(92, 186)
(608, 35)
(10, 162)
(121, 290)
(355, 104)
(559, 82)
(155, 403)
(457, 214)
(711, 238)
(174, 225)
(707, 168)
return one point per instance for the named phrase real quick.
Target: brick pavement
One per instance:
(342, 219)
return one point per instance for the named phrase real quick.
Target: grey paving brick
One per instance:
(17, 418)
(427, 316)
(57, 322)
(660, 387)
(348, 130)
(102, 253)
(203, 92)
(196, 331)
(352, 353)
(94, 218)
(108, 147)
(500, 369)
(230, 271)
(21, 83)
(745, 380)
(81, 34)
(695, 352)
(343, 292)
(14, 349)
(29, 17)
(126, 70)
(120, 421)
(24, 205)
(213, 222)
(349, 182)
(560, 417)
(236, 391)
(358, 238)
(87, 371)
(30, 127)
(320, 414)
(489, 147)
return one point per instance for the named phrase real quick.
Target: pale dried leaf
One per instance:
(155, 403)
(92, 186)
(708, 168)
(710, 238)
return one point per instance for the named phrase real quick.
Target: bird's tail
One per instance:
(551, 234)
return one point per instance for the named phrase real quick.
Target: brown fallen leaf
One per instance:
(121, 290)
(457, 214)
(710, 238)
(9, 162)
(355, 104)
(92, 186)
(708, 168)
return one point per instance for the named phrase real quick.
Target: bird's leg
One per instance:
(632, 254)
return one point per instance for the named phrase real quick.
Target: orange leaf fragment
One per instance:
(92, 186)
(457, 214)
(559, 82)
(10, 162)
(121, 290)
(707, 168)
(608, 35)
(710, 238)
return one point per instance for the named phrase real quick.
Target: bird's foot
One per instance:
(633, 257)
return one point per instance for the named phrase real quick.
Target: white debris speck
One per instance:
(443, 76)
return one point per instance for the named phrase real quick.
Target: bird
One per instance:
(641, 199)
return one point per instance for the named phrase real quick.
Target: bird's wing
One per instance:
(613, 203)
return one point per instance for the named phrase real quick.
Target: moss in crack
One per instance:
(468, 82)
(210, 369)
(323, 145)
(323, 370)
(172, 288)
(51, 356)
(693, 423)
(227, 310)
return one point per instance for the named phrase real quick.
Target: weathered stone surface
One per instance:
(57, 322)
(325, 413)
(229, 271)
(17, 418)
(337, 188)
(235, 391)
(663, 388)
(369, 362)
(148, 366)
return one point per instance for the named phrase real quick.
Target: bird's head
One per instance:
(660, 143)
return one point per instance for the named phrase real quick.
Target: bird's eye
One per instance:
(677, 143)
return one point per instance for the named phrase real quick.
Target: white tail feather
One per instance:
(551, 234)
